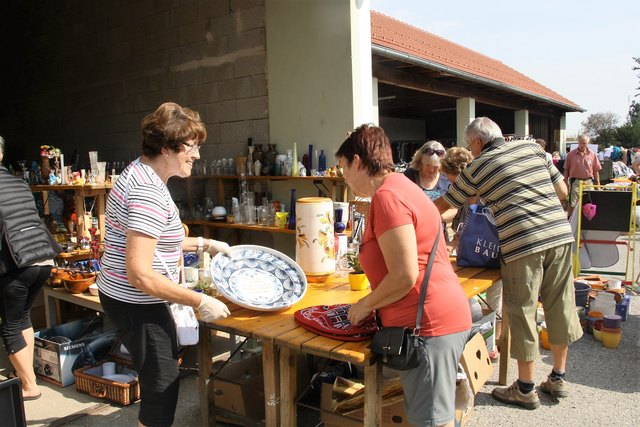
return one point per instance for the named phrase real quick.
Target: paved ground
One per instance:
(605, 391)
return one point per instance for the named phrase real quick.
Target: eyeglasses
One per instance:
(431, 152)
(191, 148)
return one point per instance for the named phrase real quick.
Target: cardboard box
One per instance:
(476, 362)
(393, 415)
(55, 360)
(239, 388)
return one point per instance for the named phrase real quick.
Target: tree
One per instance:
(601, 127)
(636, 68)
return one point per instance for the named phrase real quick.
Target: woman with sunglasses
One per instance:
(425, 171)
(143, 244)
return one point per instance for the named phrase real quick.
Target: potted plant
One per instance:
(357, 279)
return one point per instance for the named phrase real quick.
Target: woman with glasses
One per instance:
(394, 253)
(425, 171)
(144, 241)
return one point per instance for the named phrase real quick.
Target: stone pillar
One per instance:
(521, 122)
(375, 105)
(561, 143)
(465, 113)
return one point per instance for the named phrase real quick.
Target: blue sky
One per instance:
(580, 49)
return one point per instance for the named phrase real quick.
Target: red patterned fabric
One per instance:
(331, 321)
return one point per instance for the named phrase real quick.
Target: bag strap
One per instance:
(425, 282)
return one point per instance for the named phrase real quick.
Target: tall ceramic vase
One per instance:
(315, 244)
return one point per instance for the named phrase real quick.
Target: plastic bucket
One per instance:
(582, 293)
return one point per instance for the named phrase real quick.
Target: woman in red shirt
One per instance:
(395, 248)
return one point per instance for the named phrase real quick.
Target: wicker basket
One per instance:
(90, 381)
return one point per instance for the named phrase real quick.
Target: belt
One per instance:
(583, 179)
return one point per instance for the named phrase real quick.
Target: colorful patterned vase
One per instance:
(315, 244)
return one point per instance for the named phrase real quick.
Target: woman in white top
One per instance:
(143, 244)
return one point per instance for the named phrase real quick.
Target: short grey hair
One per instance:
(417, 156)
(483, 128)
(1, 145)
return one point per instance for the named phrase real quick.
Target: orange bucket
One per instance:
(544, 339)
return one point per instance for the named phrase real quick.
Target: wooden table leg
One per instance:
(271, 383)
(204, 374)
(51, 309)
(288, 382)
(100, 207)
(505, 347)
(372, 395)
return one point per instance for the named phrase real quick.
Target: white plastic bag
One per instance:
(186, 324)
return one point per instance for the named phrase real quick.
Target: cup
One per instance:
(108, 368)
(102, 169)
(615, 284)
(281, 219)
(190, 274)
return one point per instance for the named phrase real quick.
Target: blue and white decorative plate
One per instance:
(259, 278)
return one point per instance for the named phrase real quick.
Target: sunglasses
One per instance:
(431, 152)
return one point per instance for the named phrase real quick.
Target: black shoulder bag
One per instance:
(397, 347)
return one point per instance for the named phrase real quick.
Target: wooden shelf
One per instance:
(337, 179)
(217, 224)
(99, 191)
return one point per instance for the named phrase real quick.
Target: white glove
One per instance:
(211, 309)
(216, 246)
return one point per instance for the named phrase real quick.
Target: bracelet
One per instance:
(200, 244)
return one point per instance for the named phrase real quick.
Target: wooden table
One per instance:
(282, 339)
(53, 296)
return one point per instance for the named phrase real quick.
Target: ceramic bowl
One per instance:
(219, 212)
(611, 330)
(594, 315)
(611, 340)
(616, 295)
(57, 274)
(597, 334)
(77, 283)
(93, 289)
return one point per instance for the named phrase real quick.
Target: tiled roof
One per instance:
(398, 36)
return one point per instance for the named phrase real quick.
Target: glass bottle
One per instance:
(322, 162)
(257, 153)
(339, 226)
(249, 168)
(272, 154)
(315, 162)
(291, 220)
(294, 168)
